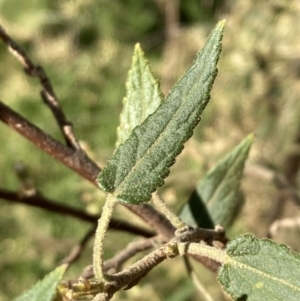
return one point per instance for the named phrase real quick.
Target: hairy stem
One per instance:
(167, 211)
(79, 162)
(104, 289)
(129, 251)
(204, 250)
(103, 224)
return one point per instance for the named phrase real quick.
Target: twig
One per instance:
(105, 289)
(133, 274)
(77, 250)
(47, 92)
(115, 262)
(154, 219)
(184, 235)
(167, 211)
(132, 249)
(190, 234)
(40, 201)
(76, 160)
(84, 166)
(215, 238)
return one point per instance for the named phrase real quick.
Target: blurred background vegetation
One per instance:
(86, 46)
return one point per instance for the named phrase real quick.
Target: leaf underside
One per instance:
(218, 198)
(260, 269)
(44, 290)
(140, 165)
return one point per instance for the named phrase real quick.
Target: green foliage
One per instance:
(140, 165)
(44, 290)
(143, 95)
(250, 269)
(85, 48)
(218, 197)
(259, 269)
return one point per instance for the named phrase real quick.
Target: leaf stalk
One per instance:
(103, 224)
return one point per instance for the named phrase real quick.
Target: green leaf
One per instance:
(140, 165)
(218, 198)
(259, 269)
(143, 95)
(44, 290)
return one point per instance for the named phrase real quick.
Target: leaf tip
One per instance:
(222, 23)
(138, 56)
(63, 267)
(137, 46)
(250, 138)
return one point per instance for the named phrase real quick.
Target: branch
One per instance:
(154, 219)
(176, 246)
(132, 249)
(77, 250)
(79, 162)
(47, 92)
(105, 289)
(115, 262)
(186, 234)
(75, 160)
(40, 201)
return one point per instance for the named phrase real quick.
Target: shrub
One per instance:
(151, 134)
